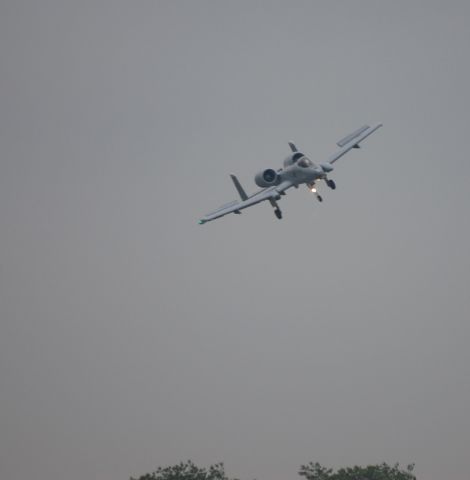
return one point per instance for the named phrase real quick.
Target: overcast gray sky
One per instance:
(131, 337)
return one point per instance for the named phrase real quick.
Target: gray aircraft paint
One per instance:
(298, 169)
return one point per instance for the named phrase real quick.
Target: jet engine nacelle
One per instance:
(267, 178)
(326, 167)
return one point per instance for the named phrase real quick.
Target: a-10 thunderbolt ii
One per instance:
(298, 169)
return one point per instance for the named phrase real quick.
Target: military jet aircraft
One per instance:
(298, 169)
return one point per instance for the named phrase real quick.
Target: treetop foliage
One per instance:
(186, 471)
(314, 471)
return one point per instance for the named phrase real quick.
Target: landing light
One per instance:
(313, 190)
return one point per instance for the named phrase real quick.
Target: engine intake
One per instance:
(267, 178)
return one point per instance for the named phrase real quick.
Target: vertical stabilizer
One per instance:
(293, 147)
(239, 188)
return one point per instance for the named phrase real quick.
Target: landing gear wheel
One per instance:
(331, 184)
(278, 213)
(319, 198)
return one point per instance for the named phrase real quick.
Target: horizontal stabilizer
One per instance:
(352, 136)
(239, 188)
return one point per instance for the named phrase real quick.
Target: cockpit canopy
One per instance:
(304, 162)
(298, 158)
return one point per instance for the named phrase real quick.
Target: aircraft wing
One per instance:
(270, 193)
(353, 140)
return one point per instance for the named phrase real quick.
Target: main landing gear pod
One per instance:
(331, 183)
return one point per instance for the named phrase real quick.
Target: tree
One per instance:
(314, 471)
(186, 471)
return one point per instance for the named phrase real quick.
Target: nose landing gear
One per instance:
(312, 187)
